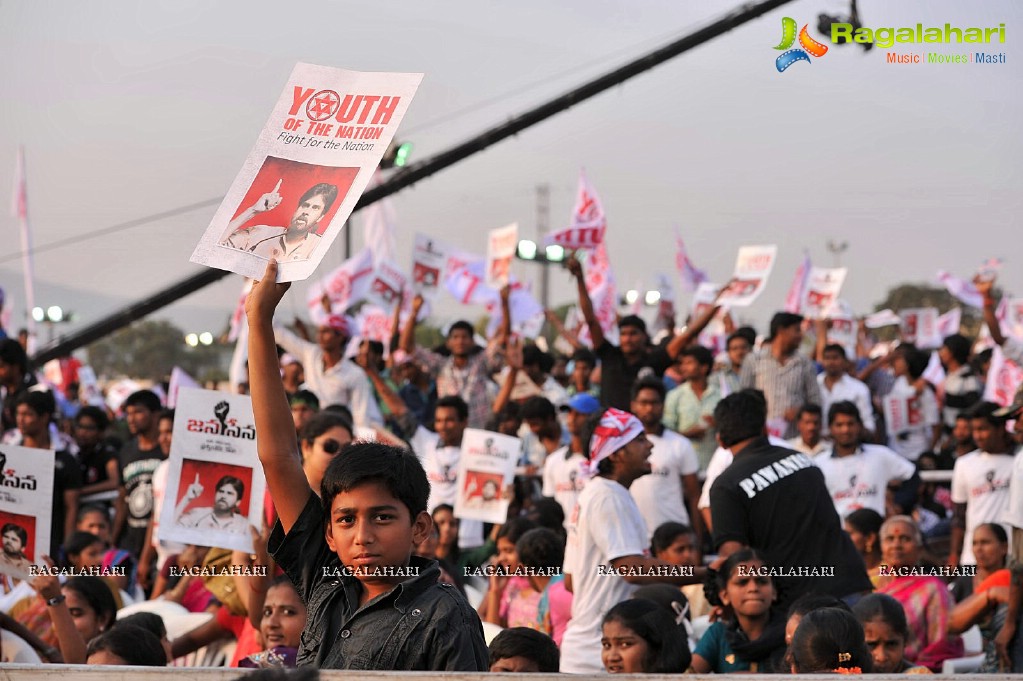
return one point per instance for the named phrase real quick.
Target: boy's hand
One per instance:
(574, 267)
(265, 295)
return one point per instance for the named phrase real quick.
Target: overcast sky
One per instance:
(128, 109)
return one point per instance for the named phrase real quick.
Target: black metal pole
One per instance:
(418, 171)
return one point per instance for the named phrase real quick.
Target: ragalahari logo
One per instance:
(788, 37)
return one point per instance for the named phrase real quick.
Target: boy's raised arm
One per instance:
(275, 430)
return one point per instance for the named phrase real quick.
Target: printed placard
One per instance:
(429, 257)
(215, 484)
(501, 246)
(920, 326)
(387, 285)
(486, 469)
(311, 163)
(26, 497)
(822, 288)
(752, 268)
(902, 414)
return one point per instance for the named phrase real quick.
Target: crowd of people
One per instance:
(673, 510)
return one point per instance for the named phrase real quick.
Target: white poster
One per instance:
(26, 498)
(752, 267)
(881, 319)
(428, 262)
(215, 484)
(821, 291)
(902, 413)
(714, 335)
(486, 470)
(311, 163)
(387, 284)
(1012, 326)
(920, 326)
(501, 246)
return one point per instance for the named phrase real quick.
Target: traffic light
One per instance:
(397, 155)
(402, 153)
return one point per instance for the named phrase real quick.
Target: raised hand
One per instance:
(194, 490)
(265, 295)
(268, 201)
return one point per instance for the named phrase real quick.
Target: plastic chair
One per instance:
(16, 650)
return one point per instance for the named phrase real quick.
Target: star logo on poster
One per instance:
(322, 105)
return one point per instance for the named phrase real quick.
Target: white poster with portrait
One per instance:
(920, 326)
(501, 246)
(753, 266)
(429, 259)
(821, 291)
(215, 484)
(486, 470)
(26, 497)
(310, 164)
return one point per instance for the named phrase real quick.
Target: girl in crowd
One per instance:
(864, 526)
(990, 547)
(511, 601)
(127, 645)
(675, 543)
(84, 551)
(829, 640)
(925, 599)
(885, 634)
(96, 520)
(70, 616)
(641, 637)
(542, 550)
(803, 606)
(749, 638)
(447, 551)
(281, 626)
(152, 623)
(983, 599)
(322, 437)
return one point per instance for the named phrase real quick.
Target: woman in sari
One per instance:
(924, 597)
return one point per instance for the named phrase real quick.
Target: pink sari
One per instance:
(928, 605)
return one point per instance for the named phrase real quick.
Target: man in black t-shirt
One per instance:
(139, 457)
(633, 358)
(97, 457)
(775, 500)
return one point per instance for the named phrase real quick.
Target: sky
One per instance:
(132, 109)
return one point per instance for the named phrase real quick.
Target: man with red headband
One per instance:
(334, 379)
(606, 558)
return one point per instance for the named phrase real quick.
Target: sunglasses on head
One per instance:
(331, 446)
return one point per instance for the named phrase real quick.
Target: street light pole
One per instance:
(543, 211)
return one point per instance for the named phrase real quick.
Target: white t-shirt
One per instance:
(721, 460)
(659, 495)
(606, 525)
(923, 414)
(847, 389)
(981, 481)
(860, 480)
(1014, 509)
(441, 466)
(563, 480)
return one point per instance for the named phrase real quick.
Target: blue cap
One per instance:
(584, 403)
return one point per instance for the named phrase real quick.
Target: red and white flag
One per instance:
(794, 298)
(468, 286)
(963, 291)
(345, 285)
(238, 316)
(691, 276)
(1003, 379)
(949, 322)
(588, 221)
(600, 284)
(19, 208)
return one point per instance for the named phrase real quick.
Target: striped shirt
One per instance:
(786, 386)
